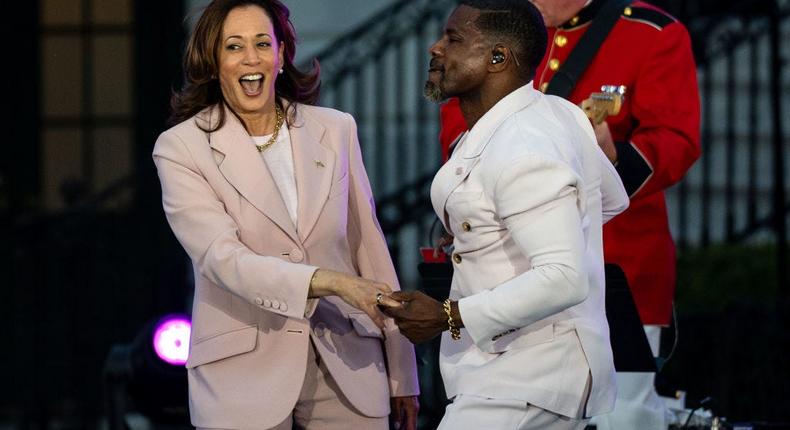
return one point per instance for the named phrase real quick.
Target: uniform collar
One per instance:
(584, 16)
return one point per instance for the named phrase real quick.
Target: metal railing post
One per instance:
(779, 195)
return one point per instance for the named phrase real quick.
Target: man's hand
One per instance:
(604, 137)
(404, 412)
(419, 317)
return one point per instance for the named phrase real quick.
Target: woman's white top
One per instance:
(280, 161)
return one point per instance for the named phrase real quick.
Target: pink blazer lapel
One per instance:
(244, 168)
(314, 165)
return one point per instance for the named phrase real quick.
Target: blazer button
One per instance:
(457, 258)
(319, 329)
(466, 226)
(283, 307)
(267, 303)
(296, 256)
(258, 301)
(275, 304)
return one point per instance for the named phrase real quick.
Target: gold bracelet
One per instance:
(310, 286)
(312, 278)
(455, 332)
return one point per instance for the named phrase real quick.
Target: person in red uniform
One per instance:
(653, 142)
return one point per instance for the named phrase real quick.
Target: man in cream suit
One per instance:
(525, 342)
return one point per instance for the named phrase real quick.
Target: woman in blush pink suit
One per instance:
(268, 195)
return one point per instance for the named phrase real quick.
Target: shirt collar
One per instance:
(478, 137)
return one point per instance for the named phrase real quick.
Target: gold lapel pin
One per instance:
(319, 163)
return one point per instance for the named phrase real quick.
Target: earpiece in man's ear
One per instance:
(497, 58)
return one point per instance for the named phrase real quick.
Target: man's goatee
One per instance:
(432, 92)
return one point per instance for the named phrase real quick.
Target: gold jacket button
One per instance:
(466, 226)
(560, 40)
(457, 258)
(544, 86)
(554, 64)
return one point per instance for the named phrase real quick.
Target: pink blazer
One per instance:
(251, 315)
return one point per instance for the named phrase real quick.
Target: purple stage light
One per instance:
(171, 339)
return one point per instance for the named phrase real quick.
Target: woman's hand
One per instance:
(360, 293)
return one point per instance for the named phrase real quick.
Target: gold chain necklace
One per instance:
(277, 124)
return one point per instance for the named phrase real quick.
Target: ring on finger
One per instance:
(379, 296)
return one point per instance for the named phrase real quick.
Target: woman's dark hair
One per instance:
(201, 64)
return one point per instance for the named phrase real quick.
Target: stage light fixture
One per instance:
(171, 339)
(147, 378)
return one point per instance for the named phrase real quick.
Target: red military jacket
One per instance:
(656, 134)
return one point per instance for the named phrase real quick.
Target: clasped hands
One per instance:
(419, 317)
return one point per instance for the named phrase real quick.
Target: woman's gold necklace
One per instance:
(277, 124)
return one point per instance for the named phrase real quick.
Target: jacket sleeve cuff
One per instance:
(309, 309)
(296, 304)
(481, 329)
(633, 168)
